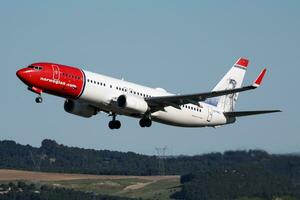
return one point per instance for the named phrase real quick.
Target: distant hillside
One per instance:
(239, 183)
(55, 157)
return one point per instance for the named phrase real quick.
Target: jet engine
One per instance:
(80, 109)
(133, 104)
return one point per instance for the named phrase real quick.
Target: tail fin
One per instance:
(233, 79)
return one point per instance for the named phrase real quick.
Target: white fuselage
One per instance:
(101, 91)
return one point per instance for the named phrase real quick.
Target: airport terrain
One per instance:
(146, 187)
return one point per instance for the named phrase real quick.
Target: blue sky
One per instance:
(182, 46)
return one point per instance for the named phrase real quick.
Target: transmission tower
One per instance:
(161, 155)
(36, 163)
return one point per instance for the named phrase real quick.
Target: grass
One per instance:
(159, 190)
(135, 188)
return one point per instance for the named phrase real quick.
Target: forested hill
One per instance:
(55, 157)
(238, 183)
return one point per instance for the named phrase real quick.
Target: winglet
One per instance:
(242, 62)
(259, 79)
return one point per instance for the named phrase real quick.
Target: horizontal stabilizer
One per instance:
(247, 113)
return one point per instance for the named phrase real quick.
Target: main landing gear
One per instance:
(114, 124)
(145, 122)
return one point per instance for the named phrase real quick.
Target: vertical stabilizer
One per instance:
(233, 79)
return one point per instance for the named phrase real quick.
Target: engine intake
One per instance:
(80, 109)
(133, 104)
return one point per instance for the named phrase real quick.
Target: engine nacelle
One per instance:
(80, 109)
(132, 103)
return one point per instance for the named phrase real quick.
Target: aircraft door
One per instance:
(209, 114)
(56, 74)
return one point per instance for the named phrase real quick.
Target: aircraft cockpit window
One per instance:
(35, 67)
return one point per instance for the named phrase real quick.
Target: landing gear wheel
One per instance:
(145, 122)
(142, 123)
(111, 125)
(39, 100)
(114, 124)
(148, 122)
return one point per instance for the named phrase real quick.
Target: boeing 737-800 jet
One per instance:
(88, 93)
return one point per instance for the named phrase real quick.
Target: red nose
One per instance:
(19, 73)
(22, 74)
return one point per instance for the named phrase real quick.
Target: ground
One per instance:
(146, 187)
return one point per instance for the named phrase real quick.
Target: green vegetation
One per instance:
(132, 188)
(237, 182)
(24, 191)
(276, 198)
(53, 157)
(238, 175)
(106, 186)
(160, 190)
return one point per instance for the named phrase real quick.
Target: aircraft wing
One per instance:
(177, 100)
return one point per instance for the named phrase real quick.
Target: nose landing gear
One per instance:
(39, 99)
(38, 91)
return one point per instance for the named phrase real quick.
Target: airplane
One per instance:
(89, 93)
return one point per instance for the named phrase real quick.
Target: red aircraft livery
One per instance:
(56, 79)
